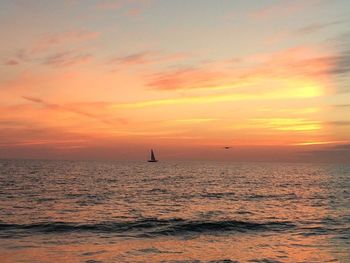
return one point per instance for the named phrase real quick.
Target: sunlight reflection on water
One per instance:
(173, 212)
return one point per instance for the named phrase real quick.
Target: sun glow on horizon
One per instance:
(68, 86)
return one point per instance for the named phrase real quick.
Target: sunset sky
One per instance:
(96, 79)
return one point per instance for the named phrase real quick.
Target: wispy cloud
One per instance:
(342, 62)
(339, 123)
(289, 124)
(11, 62)
(282, 9)
(292, 63)
(301, 32)
(145, 58)
(342, 106)
(61, 59)
(186, 78)
(63, 38)
(52, 49)
(66, 59)
(313, 28)
(299, 92)
(311, 143)
(42, 142)
(71, 109)
(134, 59)
(19, 56)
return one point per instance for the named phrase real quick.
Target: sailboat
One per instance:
(153, 159)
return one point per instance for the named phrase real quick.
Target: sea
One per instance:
(114, 211)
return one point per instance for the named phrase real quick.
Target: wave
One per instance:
(150, 227)
(290, 196)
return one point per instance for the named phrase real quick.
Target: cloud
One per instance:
(282, 9)
(186, 78)
(313, 28)
(302, 63)
(63, 38)
(341, 43)
(339, 123)
(134, 59)
(289, 74)
(145, 58)
(32, 99)
(43, 142)
(315, 143)
(285, 35)
(291, 93)
(288, 124)
(70, 109)
(11, 62)
(66, 59)
(61, 59)
(52, 49)
(342, 58)
(342, 106)
(341, 61)
(18, 57)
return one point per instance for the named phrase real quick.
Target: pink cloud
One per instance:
(295, 62)
(186, 78)
(11, 62)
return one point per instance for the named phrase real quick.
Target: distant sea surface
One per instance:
(72, 211)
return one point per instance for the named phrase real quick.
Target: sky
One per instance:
(111, 79)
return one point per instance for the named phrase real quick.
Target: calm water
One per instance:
(65, 211)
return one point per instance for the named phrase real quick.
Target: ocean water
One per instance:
(72, 211)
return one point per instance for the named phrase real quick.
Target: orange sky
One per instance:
(111, 79)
